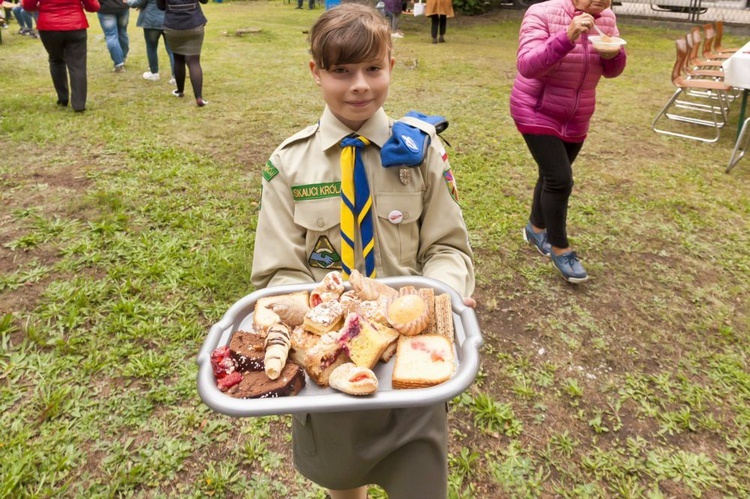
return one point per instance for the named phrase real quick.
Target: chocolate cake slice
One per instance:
(248, 350)
(255, 384)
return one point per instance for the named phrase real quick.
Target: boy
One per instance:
(417, 228)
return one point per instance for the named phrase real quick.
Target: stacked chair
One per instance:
(699, 99)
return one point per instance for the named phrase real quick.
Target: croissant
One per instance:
(369, 289)
(329, 289)
(349, 378)
(291, 309)
(277, 349)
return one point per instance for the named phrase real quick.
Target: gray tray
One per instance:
(313, 398)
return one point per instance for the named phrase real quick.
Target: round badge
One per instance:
(395, 217)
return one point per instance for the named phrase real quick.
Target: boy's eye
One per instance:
(374, 68)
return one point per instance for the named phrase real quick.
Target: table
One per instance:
(737, 74)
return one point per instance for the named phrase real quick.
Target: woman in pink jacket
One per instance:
(552, 101)
(62, 27)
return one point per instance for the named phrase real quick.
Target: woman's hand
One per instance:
(580, 24)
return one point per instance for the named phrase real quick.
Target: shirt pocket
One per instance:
(322, 219)
(398, 214)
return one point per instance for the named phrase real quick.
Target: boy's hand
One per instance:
(470, 302)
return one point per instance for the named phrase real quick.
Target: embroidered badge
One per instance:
(324, 256)
(409, 142)
(269, 171)
(316, 191)
(451, 183)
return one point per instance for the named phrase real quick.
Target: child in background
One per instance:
(393, 9)
(418, 229)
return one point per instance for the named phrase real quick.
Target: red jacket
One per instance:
(555, 89)
(61, 15)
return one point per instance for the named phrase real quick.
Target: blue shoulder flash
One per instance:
(407, 145)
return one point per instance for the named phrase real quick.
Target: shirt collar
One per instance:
(376, 129)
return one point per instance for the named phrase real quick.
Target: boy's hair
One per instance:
(349, 33)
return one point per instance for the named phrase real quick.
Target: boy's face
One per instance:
(354, 92)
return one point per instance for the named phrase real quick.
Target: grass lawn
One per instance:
(127, 231)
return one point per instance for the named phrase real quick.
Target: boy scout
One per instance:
(411, 225)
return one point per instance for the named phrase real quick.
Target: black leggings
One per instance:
(549, 208)
(438, 20)
(193, 63)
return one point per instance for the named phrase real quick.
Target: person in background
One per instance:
(310, 4)
(62, 27)
(25, 21)
(113, 18)
(393, 9)
(404, 450)
(184, 27)
(151, 19)
(552, 101)
(438, 11)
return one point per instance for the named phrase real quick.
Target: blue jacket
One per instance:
(182, 14)
(149, 17)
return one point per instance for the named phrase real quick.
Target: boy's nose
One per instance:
(360, 82)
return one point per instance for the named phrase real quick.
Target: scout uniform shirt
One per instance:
(419, 229)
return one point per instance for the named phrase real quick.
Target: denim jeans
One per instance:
(152, 45)
(115, 28)
(24, 18)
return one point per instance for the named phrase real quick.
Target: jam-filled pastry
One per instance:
(354, 380)
(325, 317)
(329, 289)
(277, 349)
(369, 289)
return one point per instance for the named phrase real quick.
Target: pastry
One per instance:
(224, 368)
(248, 350)
(374, 310)
(255, 384)
(302, 341)
(423, 361)
(354, 380)
(369, 289)
(444, 316)
(291, 308)
(326, 316)
(428, 295)
(323, 357)
(277, 349)
(408, 314)
(364, 343)
(329, 289)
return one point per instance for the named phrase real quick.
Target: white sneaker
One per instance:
(148, 75)
(172, 81)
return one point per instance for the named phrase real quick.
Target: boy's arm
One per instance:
(444, 251)
(279, 254)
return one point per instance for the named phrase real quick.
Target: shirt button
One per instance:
(321, 222)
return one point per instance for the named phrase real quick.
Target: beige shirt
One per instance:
(419, 228)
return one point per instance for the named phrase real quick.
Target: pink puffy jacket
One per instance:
(555, 88)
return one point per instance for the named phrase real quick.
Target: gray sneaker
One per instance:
(570, 267)
(539, 240)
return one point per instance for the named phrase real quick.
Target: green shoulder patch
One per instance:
(316, 191)
(269, 171)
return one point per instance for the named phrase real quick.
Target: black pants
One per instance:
(67, 54)
(549, 208)
(440, 21)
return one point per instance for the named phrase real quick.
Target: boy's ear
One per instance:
(393, 63)
(314, 70)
